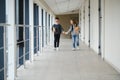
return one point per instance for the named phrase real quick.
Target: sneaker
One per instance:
(78, 48)
(57, 48)
(54, 48)
(73, 49)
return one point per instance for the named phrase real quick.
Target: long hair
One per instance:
(74, 22)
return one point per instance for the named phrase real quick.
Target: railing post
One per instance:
(15, 40)
(24, 55)
(37, 39)
(40, 39)
(44, 36)
(30, 32)
(5, 60)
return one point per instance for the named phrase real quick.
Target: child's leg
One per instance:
(73, 40)
(77, 40)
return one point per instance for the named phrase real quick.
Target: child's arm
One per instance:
(53, 29)
(68, 30)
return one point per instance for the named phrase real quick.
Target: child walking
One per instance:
(74, 29)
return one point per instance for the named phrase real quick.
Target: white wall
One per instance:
(110, 29)
(112, 32)
(94, 25)
(10, 12)
(86, 22)
(82, 23)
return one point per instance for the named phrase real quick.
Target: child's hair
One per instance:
(74, 22)
(57, 18)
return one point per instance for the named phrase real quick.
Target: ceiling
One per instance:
(64, 6)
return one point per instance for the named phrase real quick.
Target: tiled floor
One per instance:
(66, 64)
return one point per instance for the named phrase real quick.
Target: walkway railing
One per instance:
(3, 51)
(22, 45)
(22, 38)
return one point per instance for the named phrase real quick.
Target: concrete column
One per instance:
(10, 19)
(31, 31)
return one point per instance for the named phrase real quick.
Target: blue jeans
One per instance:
(75, 39)
(78, 40)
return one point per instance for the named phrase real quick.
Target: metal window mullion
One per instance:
(44, 36)
(15, 50)
(5, 58)
(16, 33)
(37, 40)
(84, 21)
(89, 22)
(24, 47)
(30, 40)
(24, 34)
(40, 39)
(100, 17)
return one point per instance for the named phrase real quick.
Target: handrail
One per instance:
(1, 69)
(1, 47)
(21, 25)
(37, 26)
(4, 24)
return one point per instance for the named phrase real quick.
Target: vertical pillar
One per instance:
(11, 39)
(31, 30)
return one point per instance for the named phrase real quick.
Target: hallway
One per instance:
(65, 64)
(25, 31)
